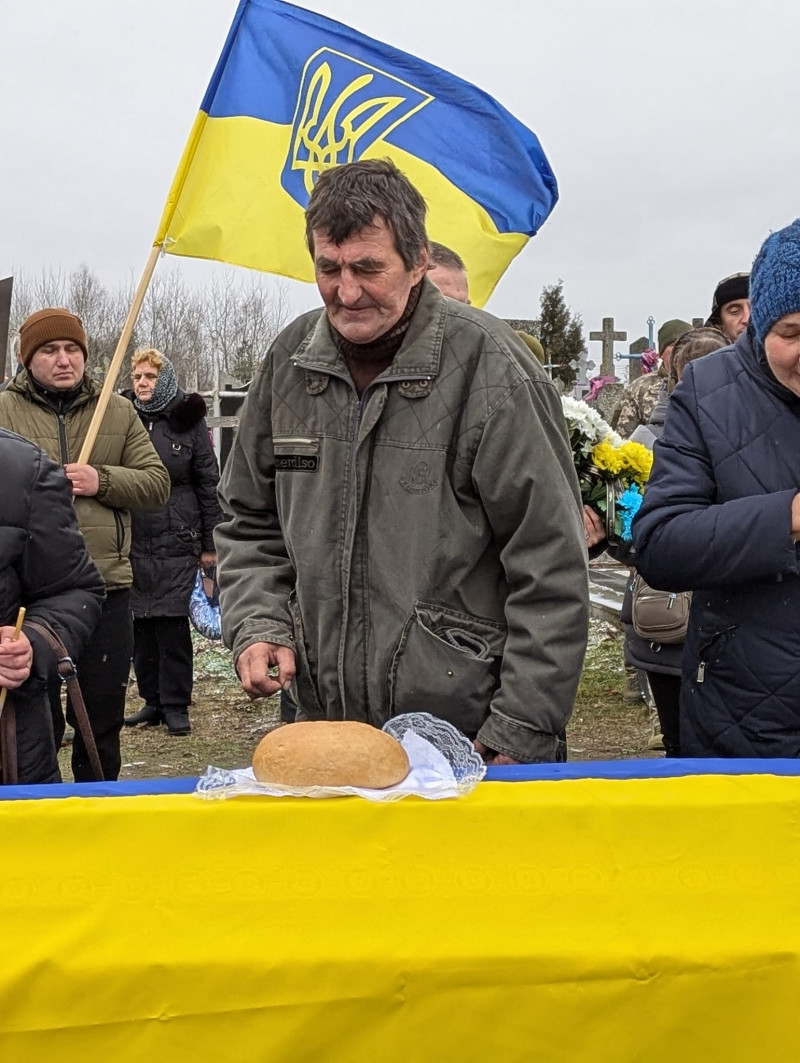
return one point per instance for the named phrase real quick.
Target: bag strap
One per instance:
(68, 675)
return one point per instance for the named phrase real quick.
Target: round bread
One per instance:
(330, 753)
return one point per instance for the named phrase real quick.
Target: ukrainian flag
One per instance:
(294, 94)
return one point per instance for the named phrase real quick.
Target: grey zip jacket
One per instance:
(420, 548)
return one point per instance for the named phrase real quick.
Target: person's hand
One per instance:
(796, 517)
(16, 658)
(253, 667)
(85, 479)
(491, 757)
(594, 526)
(208, 559)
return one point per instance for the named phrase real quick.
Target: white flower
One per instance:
(589, 424)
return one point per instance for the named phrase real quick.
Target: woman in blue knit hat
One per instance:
(721, 517)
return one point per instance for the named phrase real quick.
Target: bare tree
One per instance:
(242, 318)
(227, 324)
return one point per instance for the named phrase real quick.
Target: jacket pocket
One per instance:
(446, 663)
(306, 695)
(119, 526)
(713, 637)
(296, 453)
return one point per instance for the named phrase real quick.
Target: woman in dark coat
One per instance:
(663, 663)
(170, 543)
(45, 567)
(721, 517)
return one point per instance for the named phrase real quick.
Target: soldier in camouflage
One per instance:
(641, 397)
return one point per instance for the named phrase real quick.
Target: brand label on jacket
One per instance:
(296, 462)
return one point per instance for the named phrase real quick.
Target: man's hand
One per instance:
(594, 527)
(491, 757)
(16, 658)
(253, 665)
(85, 479)
(208, 559)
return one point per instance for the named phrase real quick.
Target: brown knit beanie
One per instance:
(47, 325)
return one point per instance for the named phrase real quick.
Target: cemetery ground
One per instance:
(227, 726)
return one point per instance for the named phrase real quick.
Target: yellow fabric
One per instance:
(653, 920)
(227, 204)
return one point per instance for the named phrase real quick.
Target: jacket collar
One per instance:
(23, 384)
(419, 356)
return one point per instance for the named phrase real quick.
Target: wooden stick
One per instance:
(116, 362)
(14, 638)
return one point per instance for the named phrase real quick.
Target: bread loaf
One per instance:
(330, 753)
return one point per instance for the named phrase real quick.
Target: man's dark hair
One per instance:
(347, 199)
(445, 256)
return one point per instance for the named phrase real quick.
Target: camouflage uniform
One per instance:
(639, 400)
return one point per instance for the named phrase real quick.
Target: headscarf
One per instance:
(165, 390)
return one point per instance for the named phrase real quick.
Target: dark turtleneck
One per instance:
(366, 361)
(59, 400)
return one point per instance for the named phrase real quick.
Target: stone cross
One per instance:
(582, 377)
(607, 337)
(698, 322)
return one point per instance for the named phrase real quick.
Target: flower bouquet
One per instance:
(611, 471)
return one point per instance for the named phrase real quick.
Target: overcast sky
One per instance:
(673, 127)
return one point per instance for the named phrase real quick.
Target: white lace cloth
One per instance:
(443, 764)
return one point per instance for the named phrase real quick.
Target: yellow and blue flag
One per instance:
(295, 93)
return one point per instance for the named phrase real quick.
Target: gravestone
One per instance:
(698, 322)
(585, 366)
(607, 336)
(635, 365)
(608, 399)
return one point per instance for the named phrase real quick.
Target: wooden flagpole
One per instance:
(119, 354)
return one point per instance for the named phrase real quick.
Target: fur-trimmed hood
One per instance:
(184, 413)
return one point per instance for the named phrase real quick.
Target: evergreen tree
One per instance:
(561, 335)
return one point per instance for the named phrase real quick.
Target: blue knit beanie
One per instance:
(775, 279)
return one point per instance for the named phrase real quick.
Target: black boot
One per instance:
(149, 716)
(178, 721)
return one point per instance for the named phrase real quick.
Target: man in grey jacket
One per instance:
(403, 527)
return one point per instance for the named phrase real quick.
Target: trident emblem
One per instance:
(343, 107)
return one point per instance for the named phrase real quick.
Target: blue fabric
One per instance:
(716, 519)
(468, 136)
(775, 279)
(600, 769)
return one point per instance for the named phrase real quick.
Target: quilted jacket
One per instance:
(422, 547)
(716, 519)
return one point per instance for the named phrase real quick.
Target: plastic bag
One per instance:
(204, 604)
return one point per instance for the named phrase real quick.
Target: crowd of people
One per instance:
(399, 525)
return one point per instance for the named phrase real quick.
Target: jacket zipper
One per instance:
(353, 470)
(63, 446)
(704, 652)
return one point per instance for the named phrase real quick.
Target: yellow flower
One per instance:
(608, 458)
(637, 460)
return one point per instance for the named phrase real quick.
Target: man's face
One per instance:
(363, 281)
(144, 376)
(733, 317)
(782, 348)
(450, 281)
(58, 365)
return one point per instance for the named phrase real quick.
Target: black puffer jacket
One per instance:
(716, 519)
(167, 542)
(45, 567)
